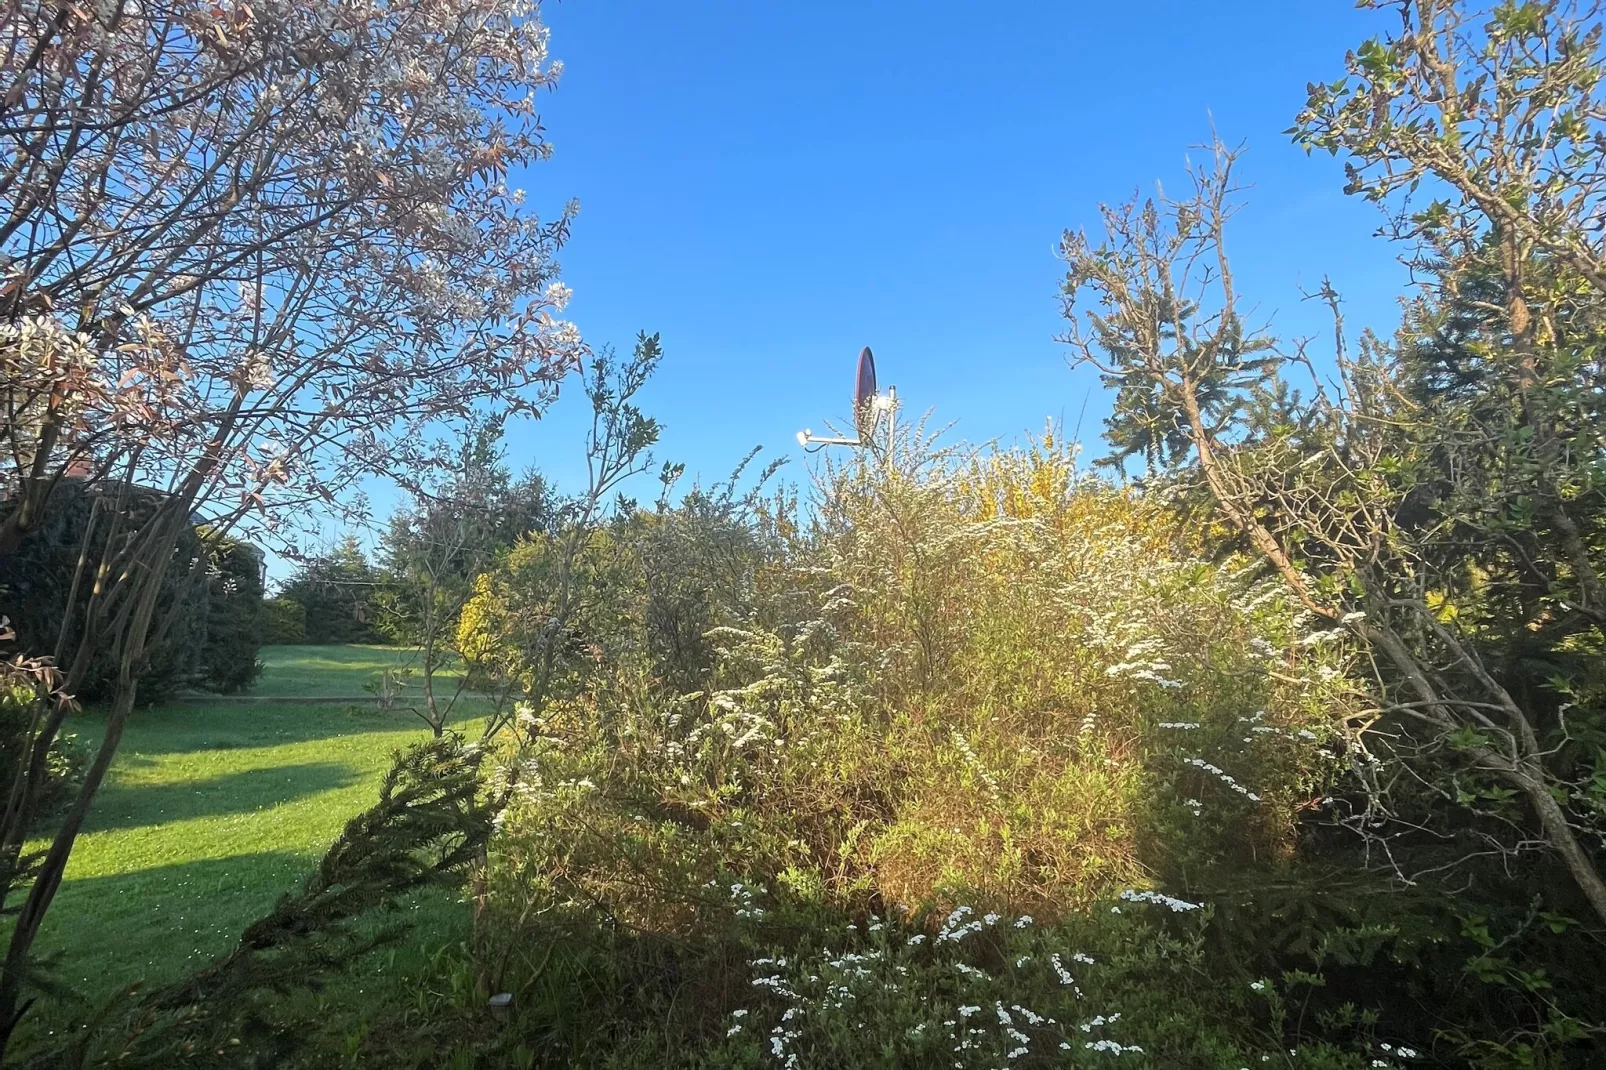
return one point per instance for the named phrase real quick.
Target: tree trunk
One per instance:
(48, 881)
(1561, 836)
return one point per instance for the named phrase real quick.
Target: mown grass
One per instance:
(304, 671)
(209, 813)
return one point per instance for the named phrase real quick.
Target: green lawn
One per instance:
(211, 811)
(336, 670)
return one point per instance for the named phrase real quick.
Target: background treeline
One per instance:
(215, 615)
(452, 528)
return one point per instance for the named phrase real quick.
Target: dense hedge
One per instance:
(235, 617)
(207, 577)
(36, 579)
(284, 622)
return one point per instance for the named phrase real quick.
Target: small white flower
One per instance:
(558, 295)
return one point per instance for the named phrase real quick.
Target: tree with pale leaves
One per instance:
(249, 255)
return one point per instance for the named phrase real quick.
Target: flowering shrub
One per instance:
(992, 990)
(968, 687)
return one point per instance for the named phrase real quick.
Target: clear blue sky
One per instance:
(773, 185)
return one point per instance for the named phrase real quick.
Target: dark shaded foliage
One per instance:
(336, 591)
(234, 629)
(284, 622)
(37, 580)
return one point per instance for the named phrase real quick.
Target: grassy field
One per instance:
(305, 671)
(210, 812)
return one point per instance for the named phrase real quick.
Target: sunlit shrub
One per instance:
(982, 679)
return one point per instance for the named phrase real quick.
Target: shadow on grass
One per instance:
(163, 897)
(249, 790)
(152, 925)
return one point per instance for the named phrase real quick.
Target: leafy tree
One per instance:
(700, 566)
(1442, 501)
(457, 526)
(527, 629)
(252, 253)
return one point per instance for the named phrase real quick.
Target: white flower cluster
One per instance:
(742, 896)
(1312, 639)
(1225, 778)
(955, 928)
(1176, 905)
(1105, 1044)
(823, 992)
(1064, 974)
(41, 341)
(1141, 665)
(974, 763)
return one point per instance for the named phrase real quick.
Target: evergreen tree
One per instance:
(337, 591)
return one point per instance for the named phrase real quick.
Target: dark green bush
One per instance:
(35, 582)
(284, 622)
(337, 590)
(234, 616)
(208, 622)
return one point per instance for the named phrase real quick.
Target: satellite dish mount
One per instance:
(869, 408)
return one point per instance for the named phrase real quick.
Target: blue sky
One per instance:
(773, 185)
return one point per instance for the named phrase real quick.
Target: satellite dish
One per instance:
(864, 388)
(868, 405)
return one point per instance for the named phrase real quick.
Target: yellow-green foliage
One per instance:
(983, 679)
(503, 630)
